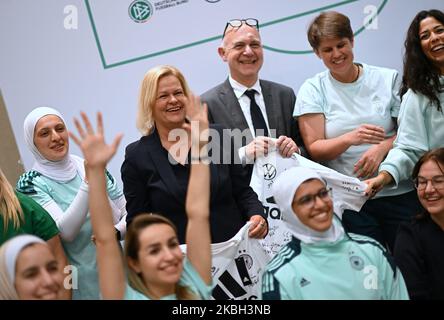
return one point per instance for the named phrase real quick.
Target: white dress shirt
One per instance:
(244, 102)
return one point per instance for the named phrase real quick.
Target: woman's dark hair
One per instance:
(420, 74)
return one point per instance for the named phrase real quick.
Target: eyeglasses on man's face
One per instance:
(309, 200)
(437, 182)
(237, 23)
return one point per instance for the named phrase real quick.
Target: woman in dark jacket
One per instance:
(156, 169)
(419, 248)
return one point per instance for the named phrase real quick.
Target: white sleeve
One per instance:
(70, 221)
(411, 142)
(243, 156)
(119, 213)
(310, 98)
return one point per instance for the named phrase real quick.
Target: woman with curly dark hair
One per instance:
(421, 117)
(421, 71)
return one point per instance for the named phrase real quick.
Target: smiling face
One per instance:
(431, 35)
(51, 137)
(317, 215)
(431, 198)
(159, 259)
(337, 56)
(242, 49)
(169, 109)
(37, 275)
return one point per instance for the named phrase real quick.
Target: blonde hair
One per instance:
(132, 246)
(148, 95)
(10, 208)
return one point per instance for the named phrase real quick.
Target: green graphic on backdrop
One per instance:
(140, 11)
(143, 12)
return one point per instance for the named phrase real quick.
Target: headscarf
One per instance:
(63, 170)
(9, 253)
(284, 189)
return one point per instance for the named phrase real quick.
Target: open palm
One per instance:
(197, 113)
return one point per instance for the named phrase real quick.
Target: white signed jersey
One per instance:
(347, 192)
(237, 267)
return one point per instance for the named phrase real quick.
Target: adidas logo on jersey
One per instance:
(304, 282)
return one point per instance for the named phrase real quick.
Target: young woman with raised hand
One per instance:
(156, 267)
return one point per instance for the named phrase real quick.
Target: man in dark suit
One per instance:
(261, 109)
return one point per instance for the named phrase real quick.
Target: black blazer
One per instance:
(150, 185)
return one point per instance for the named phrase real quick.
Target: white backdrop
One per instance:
(99, 64)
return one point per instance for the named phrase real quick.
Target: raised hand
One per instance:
(366, 133)
(197, 203)
(95, 151)
(197, 124)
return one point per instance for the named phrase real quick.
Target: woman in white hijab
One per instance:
(58, 182)
(29, 270)
(322, 261)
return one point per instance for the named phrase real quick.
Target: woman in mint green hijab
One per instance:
(322, 261)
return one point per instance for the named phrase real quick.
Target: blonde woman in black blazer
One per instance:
(152, 183)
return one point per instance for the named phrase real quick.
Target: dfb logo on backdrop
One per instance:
(140, 11)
